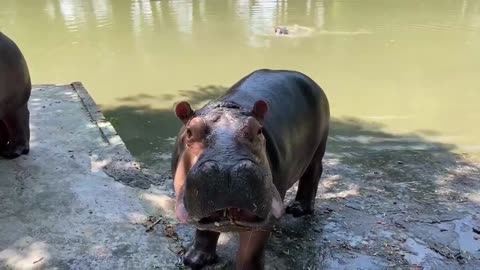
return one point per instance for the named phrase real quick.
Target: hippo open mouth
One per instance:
(232, 219)
(232, 215)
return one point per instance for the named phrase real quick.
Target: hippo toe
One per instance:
(196, 259)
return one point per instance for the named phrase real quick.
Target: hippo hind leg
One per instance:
(18, 128)
(203, 251)
(304, 203)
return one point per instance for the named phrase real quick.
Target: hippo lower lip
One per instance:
(221, 221)
(232, 216)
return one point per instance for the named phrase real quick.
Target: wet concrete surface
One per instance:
(60, 207)
(80, 201)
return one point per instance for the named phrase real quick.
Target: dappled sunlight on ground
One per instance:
(162, 202)
(26, 253)
(97, 165)
(475, 198)
(353, 190)
(137, 218)
(100, 252)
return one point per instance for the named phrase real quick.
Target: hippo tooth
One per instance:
(196, 219)
(216, 224)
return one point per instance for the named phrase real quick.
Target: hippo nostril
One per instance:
(209, 167)
(248, 173)
(247, 164)
(206, 170)
(246, 170)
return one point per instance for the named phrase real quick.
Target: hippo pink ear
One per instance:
(183, 111)
(260, 109)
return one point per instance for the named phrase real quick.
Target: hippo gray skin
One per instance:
(15, 90)
(235, 158)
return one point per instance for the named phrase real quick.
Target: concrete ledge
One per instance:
(122, 166)
(61, 208)
(106, 128)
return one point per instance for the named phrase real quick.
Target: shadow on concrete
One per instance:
(386, 200)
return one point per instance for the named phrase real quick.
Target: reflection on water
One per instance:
(141, 14)
(73, 15)
(409, 65)
(103, 11)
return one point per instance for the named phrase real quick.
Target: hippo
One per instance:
(15, 90)
(235, 158)
(279, 30)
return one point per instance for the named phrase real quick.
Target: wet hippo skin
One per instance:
(235, 158)
(15, 90)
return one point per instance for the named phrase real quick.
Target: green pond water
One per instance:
(394, 71)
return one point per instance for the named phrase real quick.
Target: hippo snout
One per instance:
(214, 187)
(205, 170)
(246, 171)
(248, 179)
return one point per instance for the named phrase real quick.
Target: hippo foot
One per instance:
(296, 209)
(14, 152)
(196, 259)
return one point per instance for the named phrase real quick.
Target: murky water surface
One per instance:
(410, 67)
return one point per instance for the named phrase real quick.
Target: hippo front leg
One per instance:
(251, 254)
(18, 128)
(203, 250)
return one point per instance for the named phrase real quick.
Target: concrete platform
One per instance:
(61, 208)
(80, 201)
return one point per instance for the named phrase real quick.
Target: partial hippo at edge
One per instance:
(15, 90)
(235, 158)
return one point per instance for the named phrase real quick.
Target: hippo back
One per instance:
(15, 83)
(295, 124)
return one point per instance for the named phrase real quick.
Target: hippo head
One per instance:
(281, 30)
(223, 179)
